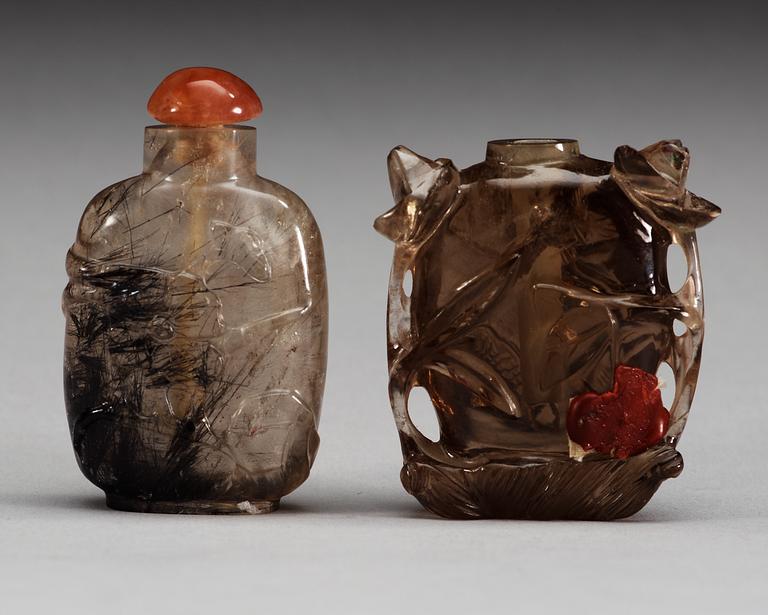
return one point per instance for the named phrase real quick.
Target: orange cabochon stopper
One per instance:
(201, 96)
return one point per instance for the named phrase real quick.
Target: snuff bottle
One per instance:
(196, 317)
(530, 298)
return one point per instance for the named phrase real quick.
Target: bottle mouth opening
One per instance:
(531, 151)
(531, 141)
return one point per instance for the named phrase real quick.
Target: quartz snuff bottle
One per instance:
(196, 314)
(530, 298)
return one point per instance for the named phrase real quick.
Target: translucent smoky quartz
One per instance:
(530, 297)
(196, 330)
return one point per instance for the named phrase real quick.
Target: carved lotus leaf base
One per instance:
(598, 489)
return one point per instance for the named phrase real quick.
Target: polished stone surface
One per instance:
(202, 96)
(621, 422)
(196, 331)
(530, 299)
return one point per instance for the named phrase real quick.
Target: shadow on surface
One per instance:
(54, 501)
(347, 504)
(339, 504)
(390, 505)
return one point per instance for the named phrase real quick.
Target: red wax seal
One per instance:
(201, 96)
(622, 422)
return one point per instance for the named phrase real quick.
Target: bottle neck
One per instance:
(523, 152)
(209, 154)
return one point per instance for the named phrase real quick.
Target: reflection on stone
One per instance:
(202, 96)
(196, 331)
(537, 276)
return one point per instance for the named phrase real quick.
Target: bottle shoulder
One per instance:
(284, 196)
(143, 196)
(106, 206)
(145, 218)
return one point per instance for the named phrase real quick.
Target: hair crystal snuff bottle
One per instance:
(196, 317)
(530, 298)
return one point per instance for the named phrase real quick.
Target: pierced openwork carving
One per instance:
(540, 292)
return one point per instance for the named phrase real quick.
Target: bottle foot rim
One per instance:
(192, 507)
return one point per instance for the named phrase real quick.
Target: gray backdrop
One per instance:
(342, 83)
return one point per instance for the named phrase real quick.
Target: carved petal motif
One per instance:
(654, 180)
(423, 189)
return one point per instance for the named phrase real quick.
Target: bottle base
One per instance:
(599, 489)
(194, 507)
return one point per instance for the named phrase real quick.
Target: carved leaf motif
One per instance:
(654, 180)
(477, 375)
(241, 257)
(440, 344)
(423, 190)
(576, 342)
